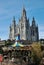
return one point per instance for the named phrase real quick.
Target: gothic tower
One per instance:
(12, 30)
(34, 31)
(24, 26)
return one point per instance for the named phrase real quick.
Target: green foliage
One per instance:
(36, 52)
(1, 51)
(8, 42)
(37, 49)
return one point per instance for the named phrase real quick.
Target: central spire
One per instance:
(23, 11)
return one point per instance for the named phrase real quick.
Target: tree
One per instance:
(1, 51)
(8, 42)
(37, 49)
(36, 53)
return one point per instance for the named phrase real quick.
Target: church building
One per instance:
(23, 29)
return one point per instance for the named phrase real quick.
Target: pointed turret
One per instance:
(33, 22)
(14, 22)
(23, 12)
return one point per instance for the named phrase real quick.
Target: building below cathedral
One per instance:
(23, 29)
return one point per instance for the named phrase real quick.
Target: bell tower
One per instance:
(34, 31)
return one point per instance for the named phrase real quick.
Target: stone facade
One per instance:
(24, 29)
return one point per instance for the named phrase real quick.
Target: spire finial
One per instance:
(13, 17)
(33, 17)
(13, 21)
(33, 21)
(23, 11)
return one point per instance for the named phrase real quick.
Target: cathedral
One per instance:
(24, 29)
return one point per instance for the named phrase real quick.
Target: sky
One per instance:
(10, 8)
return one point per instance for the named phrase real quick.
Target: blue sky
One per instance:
(10, 8)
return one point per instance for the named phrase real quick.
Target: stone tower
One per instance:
(34, 31)
(12, 30)
(24, 26)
